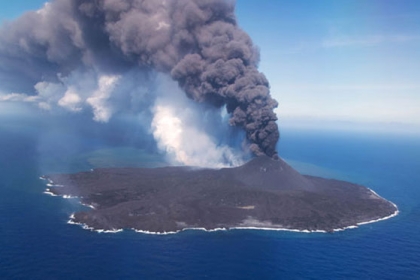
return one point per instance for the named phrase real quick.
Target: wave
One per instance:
(66, 196)
(88, 205)
(86, 227)
(53, 185)
(47, 191)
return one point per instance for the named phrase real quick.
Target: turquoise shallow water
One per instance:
(36, 242)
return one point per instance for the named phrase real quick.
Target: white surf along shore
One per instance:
(259, 226)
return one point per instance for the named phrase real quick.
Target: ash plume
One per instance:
(197, 42)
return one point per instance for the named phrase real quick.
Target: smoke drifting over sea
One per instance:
(103, 56)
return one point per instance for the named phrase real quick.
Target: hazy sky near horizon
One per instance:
(348, 60)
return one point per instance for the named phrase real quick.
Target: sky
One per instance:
(349, 60)
(329, 61)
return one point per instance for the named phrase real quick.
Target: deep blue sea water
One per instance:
(37, 243)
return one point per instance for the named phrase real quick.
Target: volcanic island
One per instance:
(264, 193)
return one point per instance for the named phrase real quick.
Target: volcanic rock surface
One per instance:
(263, 193)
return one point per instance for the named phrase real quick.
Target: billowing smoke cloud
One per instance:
(76, 54)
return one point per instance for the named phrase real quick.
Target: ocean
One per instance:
(37, 243)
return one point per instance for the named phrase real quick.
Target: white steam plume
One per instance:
(103, 94)
(180, 131)
(187, 132)
(102, 108)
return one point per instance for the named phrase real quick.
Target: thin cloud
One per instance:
(368, 41)
(18, 97)
(351, 87)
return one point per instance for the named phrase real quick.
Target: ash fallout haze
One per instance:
(113, 57)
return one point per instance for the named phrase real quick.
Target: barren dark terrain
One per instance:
(262, 193)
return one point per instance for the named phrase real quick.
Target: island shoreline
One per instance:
(84, 226)
(263, 194)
